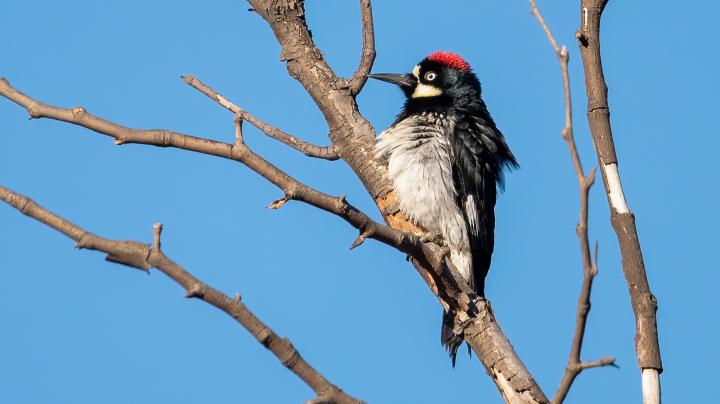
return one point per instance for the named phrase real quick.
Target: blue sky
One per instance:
(79, 330)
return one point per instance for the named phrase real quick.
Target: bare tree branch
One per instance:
(536, 12)
(354, 139)
(585, 182)
(140, 256)
(643, 301)
(609, 361)
(239, 131)
(311, 150)
(368, 49)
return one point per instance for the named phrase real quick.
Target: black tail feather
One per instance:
(448, 338)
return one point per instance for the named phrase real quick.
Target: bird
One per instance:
(446, 160)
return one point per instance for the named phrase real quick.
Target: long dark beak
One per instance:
(402, 80)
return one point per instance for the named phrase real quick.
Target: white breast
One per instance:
(420, 167)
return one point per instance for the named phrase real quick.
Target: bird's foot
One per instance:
(432, 237)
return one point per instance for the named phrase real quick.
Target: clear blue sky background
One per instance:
(76, 329)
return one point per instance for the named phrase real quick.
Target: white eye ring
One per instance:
(430, 76)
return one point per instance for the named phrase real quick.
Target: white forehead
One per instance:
(416, 71)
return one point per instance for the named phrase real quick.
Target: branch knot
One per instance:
(196, 290)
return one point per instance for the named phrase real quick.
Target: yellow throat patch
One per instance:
(426, 90)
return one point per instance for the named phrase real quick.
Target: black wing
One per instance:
(480, 156)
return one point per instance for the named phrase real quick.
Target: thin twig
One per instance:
(139, 255)
(360, 76)
(609, 361)
(585, 182)
(238, 130)
(536, 12)
(309, 149)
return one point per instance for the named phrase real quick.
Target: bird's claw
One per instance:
(432, 237)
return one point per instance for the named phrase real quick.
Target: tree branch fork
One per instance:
(589, 266)
(351, 138)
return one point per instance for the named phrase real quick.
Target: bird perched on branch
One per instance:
(446, 160)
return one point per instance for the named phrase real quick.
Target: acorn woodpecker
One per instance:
(445, 160)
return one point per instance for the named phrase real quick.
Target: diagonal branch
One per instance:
(536, 12)
(644, 303)
(140, 256)
(585, 182)
(309, 149)
(368, 49)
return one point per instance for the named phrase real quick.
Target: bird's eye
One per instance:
(430, 76)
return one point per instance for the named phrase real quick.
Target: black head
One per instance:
(439, 79)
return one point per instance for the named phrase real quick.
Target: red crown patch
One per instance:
(450, 60)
